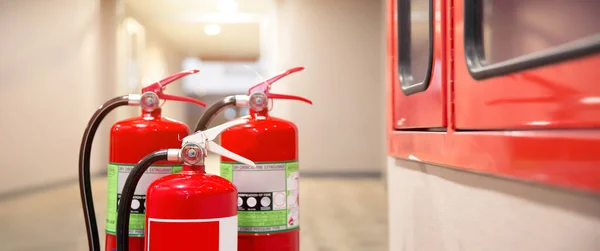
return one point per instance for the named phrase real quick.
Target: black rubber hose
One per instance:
(127, 196)
(85, 184)
(212, 111)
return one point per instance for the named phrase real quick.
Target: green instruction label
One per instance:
(267, 195)
(117, 175)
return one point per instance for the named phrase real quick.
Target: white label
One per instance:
(218, 234)
(266, 180)
(153, 173)
(267, 195)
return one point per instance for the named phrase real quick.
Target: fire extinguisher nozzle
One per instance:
(174, 155)
(134, 99)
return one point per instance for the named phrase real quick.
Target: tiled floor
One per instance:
(337, 214)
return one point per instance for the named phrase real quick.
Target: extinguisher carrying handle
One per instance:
(131, 183)
(205, 140)
(243, 100)
(265, 87)
(158, 88)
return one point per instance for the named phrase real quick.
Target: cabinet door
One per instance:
(416, 54)
(524, 64)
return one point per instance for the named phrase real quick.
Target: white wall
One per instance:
(341, 44)
(50, 67)
(157, 58)
(437, 208)
(58, 63)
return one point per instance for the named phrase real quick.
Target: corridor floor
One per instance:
(336, 214)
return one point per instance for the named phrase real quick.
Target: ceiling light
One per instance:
(131, 26)
(227, 5)
(212, 29)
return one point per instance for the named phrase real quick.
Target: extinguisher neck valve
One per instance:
(192, 154)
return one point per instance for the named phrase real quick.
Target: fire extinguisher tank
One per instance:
(174, 223)
(268, 195)
(268, 199)
(266, 139)
(131, 140)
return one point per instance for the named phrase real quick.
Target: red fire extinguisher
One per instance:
(130, 140)
(186, 211)
(268, 198)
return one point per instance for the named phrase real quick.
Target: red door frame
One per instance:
(565, 158)
(431, 111)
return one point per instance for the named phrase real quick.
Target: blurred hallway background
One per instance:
(61, 59)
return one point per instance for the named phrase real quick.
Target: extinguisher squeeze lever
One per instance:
(194, 146)
(152, 94)
(149, 101)
(261, 91)
(193, 153)
(257, 98)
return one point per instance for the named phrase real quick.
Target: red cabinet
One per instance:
(526, 64)
(501, 74)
